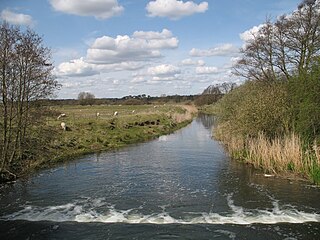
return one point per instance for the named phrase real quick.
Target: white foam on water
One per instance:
(96, 210)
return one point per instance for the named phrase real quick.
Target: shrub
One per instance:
(256, 107)
(304, 92)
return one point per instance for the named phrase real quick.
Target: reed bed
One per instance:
(280, 155)
(186, 114)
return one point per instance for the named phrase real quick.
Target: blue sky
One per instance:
(114, 48)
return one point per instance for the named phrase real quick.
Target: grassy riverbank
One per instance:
(281, 156)
(257, 124)
(95, 128)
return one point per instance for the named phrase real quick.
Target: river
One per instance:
(180, 186)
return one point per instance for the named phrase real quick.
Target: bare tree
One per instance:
(304, 34)
(213, 93)
(213, 90)
(219, 89)
(86, 98)
(225, 87)
(25, 76)
(257, 60)
(284, 48)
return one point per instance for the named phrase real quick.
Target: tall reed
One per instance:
(189, 112)
(279, 155)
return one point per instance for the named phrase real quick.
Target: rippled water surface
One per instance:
(180, 186)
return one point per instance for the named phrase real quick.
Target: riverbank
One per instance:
(181, 185)
(92, 129)
(285, 156)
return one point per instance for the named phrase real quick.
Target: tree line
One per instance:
(285, 48)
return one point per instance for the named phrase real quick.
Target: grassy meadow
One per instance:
(96, 128)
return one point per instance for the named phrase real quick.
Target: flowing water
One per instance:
(180, 186)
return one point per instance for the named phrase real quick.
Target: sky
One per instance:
(116, 48)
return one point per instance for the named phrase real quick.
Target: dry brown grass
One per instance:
(279, 155)
(189, 113)
(276, 155)
(233, 142)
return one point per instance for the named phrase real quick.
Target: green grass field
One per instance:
(78, 112)
(88, 133)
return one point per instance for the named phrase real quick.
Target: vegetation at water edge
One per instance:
(95, 128)
(272, 120)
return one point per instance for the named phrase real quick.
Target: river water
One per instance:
(180, 186)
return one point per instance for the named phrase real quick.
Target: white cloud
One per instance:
(76, 68)
(116, 81)
(100, 9)
(157, 74)
(141, 46)
(121, 53)
(153, 35)
(251, 33)
(222, 50)
(81, 68)
(16, 18)
(163, 70)
(207, 70)
(174, 9)
(138, 79)
(71, 85)
(162, 79)
(130, 66)
(190, 62)
(234, 60)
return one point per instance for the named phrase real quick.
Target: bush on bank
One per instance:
(255, 107)
(273, 125)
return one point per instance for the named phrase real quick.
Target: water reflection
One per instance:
(206, 120)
